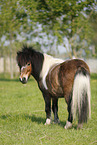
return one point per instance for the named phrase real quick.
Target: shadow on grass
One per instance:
(33, 118)
(4, 117)
(40, 120)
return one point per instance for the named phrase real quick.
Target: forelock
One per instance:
(22, 58)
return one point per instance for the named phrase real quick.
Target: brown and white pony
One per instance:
(57, 78)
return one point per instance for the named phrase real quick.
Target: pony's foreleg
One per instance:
(47, 99)
(55, 110)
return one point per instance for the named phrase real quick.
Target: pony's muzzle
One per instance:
(23, 80)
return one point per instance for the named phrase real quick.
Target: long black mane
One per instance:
(28, 54)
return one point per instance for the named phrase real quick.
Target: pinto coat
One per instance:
(58, 78)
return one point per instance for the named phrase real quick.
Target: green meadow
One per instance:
(22, 117)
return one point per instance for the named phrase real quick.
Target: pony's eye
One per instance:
(28, 64)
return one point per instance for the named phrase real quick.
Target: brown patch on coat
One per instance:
(60, 78)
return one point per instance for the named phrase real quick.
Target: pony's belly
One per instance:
(55, 89)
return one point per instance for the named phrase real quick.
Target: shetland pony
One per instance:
(57, 78)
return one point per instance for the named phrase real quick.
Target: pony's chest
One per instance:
(53, 82)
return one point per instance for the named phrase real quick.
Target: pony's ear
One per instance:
(18, 52)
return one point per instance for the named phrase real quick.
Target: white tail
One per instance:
(81, 105)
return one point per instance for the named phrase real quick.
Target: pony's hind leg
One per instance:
(70, 117)
(55, 110)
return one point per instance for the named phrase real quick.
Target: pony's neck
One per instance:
(37, 63)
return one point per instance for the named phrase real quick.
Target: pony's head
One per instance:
(24, 63)
(25, 73)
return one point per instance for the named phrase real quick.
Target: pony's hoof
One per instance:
(68, 125)
(80, 126)
(48, 121)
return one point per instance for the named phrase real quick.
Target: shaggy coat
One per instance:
(57, 78)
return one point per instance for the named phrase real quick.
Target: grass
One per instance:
(22, 117)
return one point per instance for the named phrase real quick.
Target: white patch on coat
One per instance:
(49, 61)
(24, 75)
(23, 67)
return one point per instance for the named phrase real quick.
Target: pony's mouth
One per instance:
(23, 80)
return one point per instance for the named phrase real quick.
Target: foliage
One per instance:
(64, 18)
(22, 117)
(58, 19)
(12, 16)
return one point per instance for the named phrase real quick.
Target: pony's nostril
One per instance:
(23, 79)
